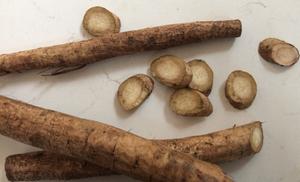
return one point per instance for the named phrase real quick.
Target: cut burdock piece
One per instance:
(278, 52)
(240, 89)
(98, 21)
(202, 76)
(171, 71)
(189, 102)
(134, 91)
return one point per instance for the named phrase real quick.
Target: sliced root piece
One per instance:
(202, 76)
(134, 91)
(189, 102)
(240, 89)
(278, 52)
(171, 71)
(98, 21)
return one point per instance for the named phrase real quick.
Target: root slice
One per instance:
(278, 52)
(171, 71)
(202, 76)
(134, 91)
(240, 89)
(98, 21)
(189, 102)
(256, 139)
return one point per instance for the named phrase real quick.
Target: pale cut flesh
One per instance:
(202, 76)
(98, 21)
(278, 52)
(134, 91)
(256, 139)
(171, 71)
(240, 89)
(189, 102)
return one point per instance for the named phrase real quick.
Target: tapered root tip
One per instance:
(256, 139)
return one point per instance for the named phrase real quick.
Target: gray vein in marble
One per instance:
(41, 93)
(258, 3)
(109, 78)
(91, 105)
(39, 9)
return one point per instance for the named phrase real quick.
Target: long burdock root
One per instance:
(222, 146)
(111, 45)
(101, 144)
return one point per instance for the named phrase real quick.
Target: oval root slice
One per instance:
(278, 52)
(134, 91)
(256, 139)
(202, 76)
(171, 71)
(240, 89)
(189, 102)
(98, 21)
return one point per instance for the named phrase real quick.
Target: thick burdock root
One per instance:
(222, 146)
(101, 144)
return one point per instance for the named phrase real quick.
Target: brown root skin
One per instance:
(240, 89)
(202, 76)
(171, 71)
(134, 91)
(101, 144)
(99, 21)
(278, 52)
(189, 102)
(49, 166)
(112, 45)
(222, 146)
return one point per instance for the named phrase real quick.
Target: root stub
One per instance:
(171, 71)
(189, 102)
(202, 76)
(98, 21)
(240, 89)
(222, 146)
(134, 91)
(278, 52)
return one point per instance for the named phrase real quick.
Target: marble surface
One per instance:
(90, 92)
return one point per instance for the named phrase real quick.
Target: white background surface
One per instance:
(90, 92)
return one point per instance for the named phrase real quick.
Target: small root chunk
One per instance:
(171, 71)
(98, 21)
(202, 76)
(278, 52)
(134, 91)
(240, 89)
(189, 102)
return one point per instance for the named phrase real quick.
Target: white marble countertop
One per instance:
(90, 92)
